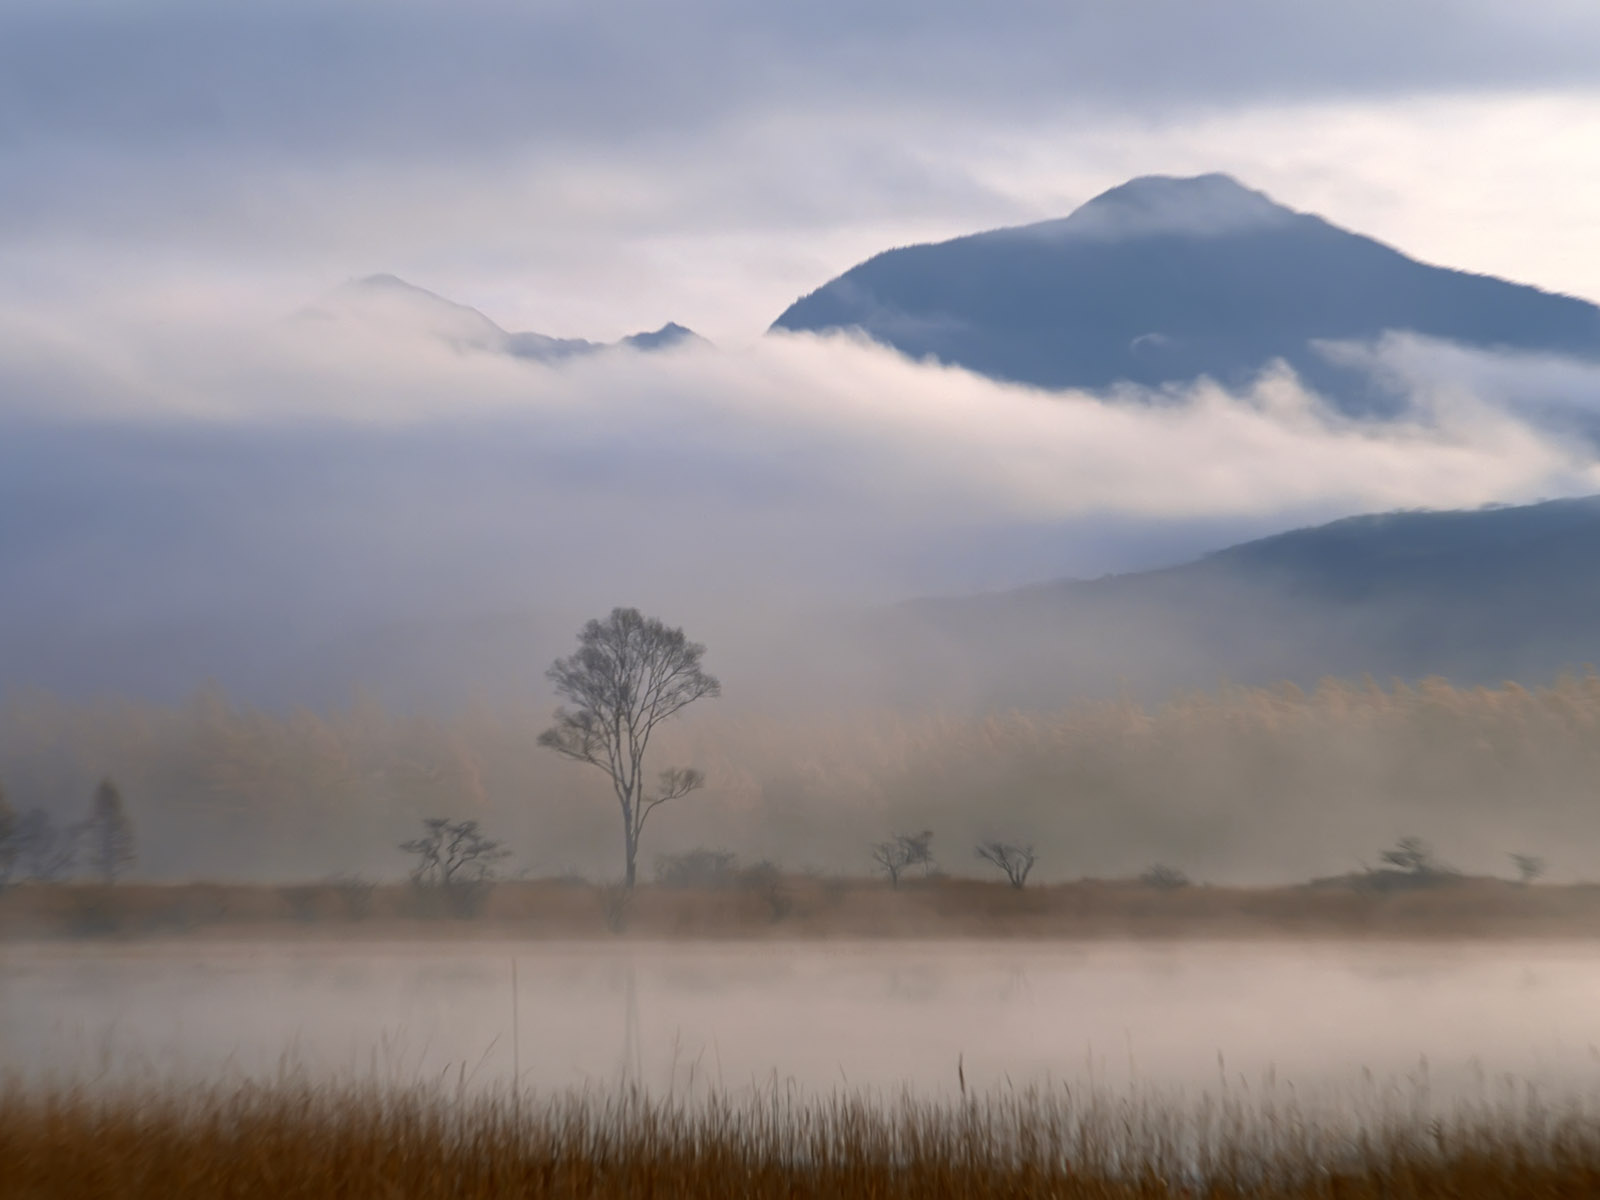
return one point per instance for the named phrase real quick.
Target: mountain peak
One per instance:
(1194, 206)
(384, 282)
(387, 303)
(1165, 280)
(670, 334)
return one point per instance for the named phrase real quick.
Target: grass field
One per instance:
(285, 1139)
(804, 907)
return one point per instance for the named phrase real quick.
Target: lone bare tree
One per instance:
(108, 834)
(630, 673)
(1015, 861)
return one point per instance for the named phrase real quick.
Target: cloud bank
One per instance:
(195, 486)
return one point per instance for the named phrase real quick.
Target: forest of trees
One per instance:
(1239, 784)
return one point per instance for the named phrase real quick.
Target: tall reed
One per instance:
(295, 1139)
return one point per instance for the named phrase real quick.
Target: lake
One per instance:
(815, 1015)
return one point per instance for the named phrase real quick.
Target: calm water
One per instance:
(875, 1015)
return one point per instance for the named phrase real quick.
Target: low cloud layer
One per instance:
(322, 483)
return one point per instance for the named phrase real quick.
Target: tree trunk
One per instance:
(631, 846)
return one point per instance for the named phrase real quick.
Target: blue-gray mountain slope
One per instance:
(1476, 596)
(1162, 280)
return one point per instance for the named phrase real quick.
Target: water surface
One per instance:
(876, 1015)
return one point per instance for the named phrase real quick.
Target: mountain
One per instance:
(1476, 596)
(388, 303)
(1162, 280)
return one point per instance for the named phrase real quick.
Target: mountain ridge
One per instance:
(1473, 595)
(385, 300)
(1164, 280)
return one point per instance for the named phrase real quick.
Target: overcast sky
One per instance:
(585, 168)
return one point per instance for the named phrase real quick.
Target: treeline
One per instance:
(1238, 784)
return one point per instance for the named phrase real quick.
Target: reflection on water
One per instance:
(877, 1015)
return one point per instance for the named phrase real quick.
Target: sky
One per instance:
(591, 169)
(179, 179)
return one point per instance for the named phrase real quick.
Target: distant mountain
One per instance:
(1476, 596)
(1162, 280)
(388, 302)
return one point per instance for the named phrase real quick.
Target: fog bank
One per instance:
(296, 510)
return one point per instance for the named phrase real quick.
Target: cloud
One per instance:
(801, 428)
(411, 78)
(221, 499)
(1559, 395)
(587, 174)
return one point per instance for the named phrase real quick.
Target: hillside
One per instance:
(1476, 596)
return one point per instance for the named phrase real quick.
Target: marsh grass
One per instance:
(293, 1139)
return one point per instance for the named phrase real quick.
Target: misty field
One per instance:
(1238, 785)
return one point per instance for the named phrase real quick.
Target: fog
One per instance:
(232, 524)
(1314, 1019)
(295, 510)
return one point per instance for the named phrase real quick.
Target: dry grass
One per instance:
(811, 907)
(287, 1140)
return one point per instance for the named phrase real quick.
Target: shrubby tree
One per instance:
(901, 851)
(107, 836)
(453, 854)
(630, 674)
(1412, 855)
(1529, 867)
(1164, 878)
(1015, 861)
(919, 850)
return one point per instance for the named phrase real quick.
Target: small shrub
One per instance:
(765, 879)
(699, 868)
(1164, 878)
(461, 900)
(93, 912)
(355, 895)
(302, 900)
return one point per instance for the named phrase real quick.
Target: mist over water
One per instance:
(1456, 1018)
